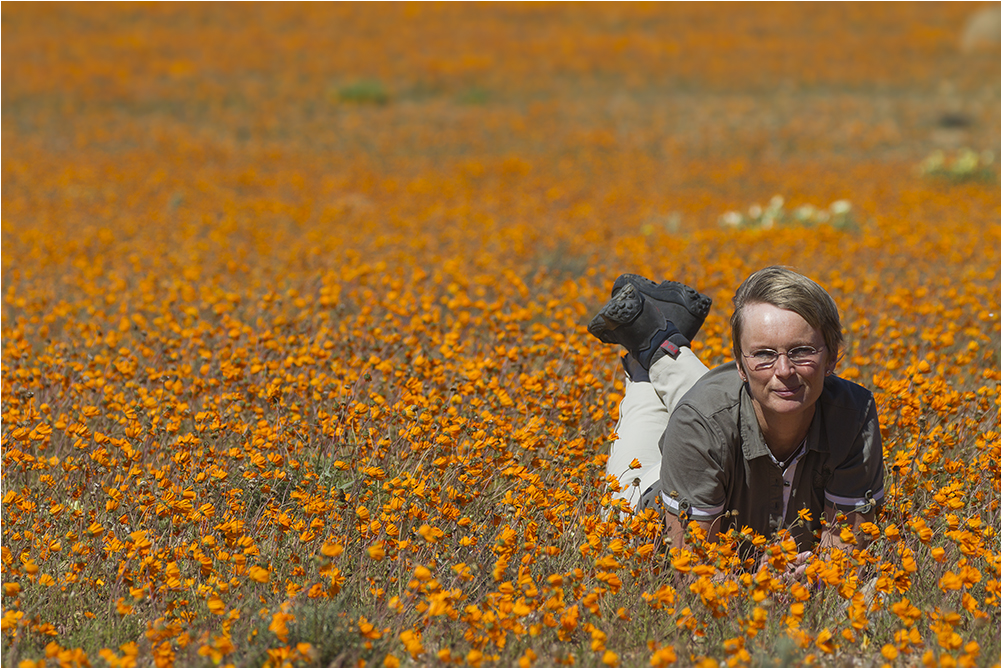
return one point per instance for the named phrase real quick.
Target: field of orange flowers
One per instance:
(294, 360)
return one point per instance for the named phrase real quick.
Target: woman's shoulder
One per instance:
(839, 392)
(718, 389)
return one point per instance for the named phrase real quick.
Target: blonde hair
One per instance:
(783, 288)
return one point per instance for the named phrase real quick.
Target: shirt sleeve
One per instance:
(857, 484)
(693, 477)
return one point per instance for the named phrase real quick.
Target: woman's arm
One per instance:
(675, 534)
(831, 536)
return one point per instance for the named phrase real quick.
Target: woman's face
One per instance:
(785, 391)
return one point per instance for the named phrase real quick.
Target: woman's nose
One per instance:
(784, 367)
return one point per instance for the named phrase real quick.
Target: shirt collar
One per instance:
(753, 442)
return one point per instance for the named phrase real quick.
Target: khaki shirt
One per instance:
(714, 458)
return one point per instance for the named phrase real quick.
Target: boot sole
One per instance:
(622, 309)
(668, 297)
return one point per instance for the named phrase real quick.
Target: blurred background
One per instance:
(756, 81)
(337, 123)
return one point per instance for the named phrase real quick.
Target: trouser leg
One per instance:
(642, 419)
(672, 377)
(643, 416)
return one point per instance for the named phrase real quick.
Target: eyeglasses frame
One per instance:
(772, 364)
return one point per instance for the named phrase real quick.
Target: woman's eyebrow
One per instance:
(792, 346)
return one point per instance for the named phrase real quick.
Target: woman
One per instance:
(772, 440)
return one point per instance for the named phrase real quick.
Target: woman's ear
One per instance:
(830, 366)
(741, 371)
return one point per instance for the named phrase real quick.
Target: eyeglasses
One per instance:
(765, 358)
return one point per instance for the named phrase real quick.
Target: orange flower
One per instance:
(824, 641)
(238, 370)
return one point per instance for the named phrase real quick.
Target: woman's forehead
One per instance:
(766, 324)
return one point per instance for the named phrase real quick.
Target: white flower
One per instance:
(731, 218)
(933, 162)
(966, 162)
(755, 210)
(805, 212)
(776, 203)
(840, 207)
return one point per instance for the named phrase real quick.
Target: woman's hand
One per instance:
(796, 568)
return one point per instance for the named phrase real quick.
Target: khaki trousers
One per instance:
(643, 416)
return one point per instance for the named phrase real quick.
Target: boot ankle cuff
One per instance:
(670, 347)
(664, 342)
(679, 340)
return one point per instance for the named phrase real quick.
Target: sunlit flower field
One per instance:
(295, 369)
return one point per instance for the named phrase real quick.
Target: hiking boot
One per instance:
(636, 324)
(680, 304)
(633, 369)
